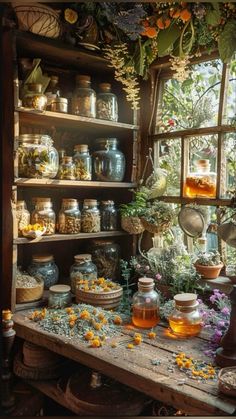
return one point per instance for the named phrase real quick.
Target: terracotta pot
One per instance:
(209, 272)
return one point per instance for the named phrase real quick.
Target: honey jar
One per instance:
(145, 307)
(185, 320)
(201, 183)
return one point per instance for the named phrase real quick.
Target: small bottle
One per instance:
(107, 107)
(90, 217)
(108, 216)
(66, 169)
(83, 162)
(34, 98)
(145, 306)
(201, 183)
(22, 216)
(44, 215)
(185, 320)
(53, 90)
(84, 99)
(69, 217)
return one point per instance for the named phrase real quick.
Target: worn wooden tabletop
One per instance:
(136, 367)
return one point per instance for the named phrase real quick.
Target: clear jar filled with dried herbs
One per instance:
(66, 169)
(34, 97)
(44, 267)
(69, 219)
(59, 296)
(107, 107)
(37, 158)
(84, 98)
(83, 162)
(22, 216)
(82, 269)
(44, 215)
(90, 217)
(106, 256)
(108, 216)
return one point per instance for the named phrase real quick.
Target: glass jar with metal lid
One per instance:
(83, 162)
(185, 319)
(107, 107)
(43, 214)
(66, 169)
(108, 161)
(69, 219)
(59, 104)
(44, 267)
(22, 216)
(106, 256)
(84, 98)
(82, 270)
(90, 217)
(37, 158)
(108, 216)
(34, 97)
(59, 296)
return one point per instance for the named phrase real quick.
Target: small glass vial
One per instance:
(84, 99)
(53, 90)
(22, 216)
(43, 214)
(44, 268)
(108, 216)
(59, 296)
(69, 219)
(107, 107)
(83, 162)
(145, 306)
(90, 217)
(34, 98)
(185, 320)
(201, 183)
(66, 169)
(82, 269)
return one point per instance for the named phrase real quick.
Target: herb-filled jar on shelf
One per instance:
(185, 319)
(83, 101)
(34, 97)
(69, 218)
(37, 158)
(59, 296)
(90, 217)
(106, 256)
(83, 162)
(82, 269)
(107, 107)
(108, 216)
(44, 215)
(22, 216)
(66, 169)
(44, 267)
(202, 182)
(145, 305)
(108, 161)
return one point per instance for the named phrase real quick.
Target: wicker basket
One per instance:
(37, 18)
(224, 387)
(155, 228)
(26, 295)
(106, 300)
(132, 225)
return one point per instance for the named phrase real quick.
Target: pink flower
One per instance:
(138, 266)
(158, 277)
(225, 310)
(221, 323)
(171, 122)
(147, 268)
(213, 298)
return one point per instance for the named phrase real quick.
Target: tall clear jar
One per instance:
(22, 216)
(185, 319)
(106, 256)
(108, 216)
(108, 161)
(34, 97)
(37, 158)
(107, 107)
(66, 169)
(145, 305)
(84, 98)
(202, 182)
(69, 218)
(90, 217)
(83, 162)
(82, 269)
(44, 215)
(43, 267)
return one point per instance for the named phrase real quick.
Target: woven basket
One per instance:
(226, 388)
(106, 300)
(35, 356)
(155, 228)
(132, 225)
(25, 295)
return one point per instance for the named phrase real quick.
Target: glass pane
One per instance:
(228, 166)
(193, 103)
(230, 117)
(168, 157)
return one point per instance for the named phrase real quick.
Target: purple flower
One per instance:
(199, 300)
(218, 333)
(213, 299)
(221, 323)
(225, 310)
(158, 277)
(216, 291)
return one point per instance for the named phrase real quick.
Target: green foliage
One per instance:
(159, 213)
(166, 38)
(227, 41)
(208, 258)
(135, 208)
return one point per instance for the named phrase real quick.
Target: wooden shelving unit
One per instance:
(56, 183)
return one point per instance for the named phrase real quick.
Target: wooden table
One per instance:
(136, 368)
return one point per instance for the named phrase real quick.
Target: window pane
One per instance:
(168, 157)
(193, 103)
(228, 166)
(230, 117)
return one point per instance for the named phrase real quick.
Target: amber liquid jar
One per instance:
(201, 183)
(145, 307)
(185, 320)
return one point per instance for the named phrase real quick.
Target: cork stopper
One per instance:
(186, 301)
(90, 202)
(71, 201)
(54, 79)
(40, 200)
(145, 284)
(35, 87)
(20, 204)
(105, 87)
(83, 257)
(81, 147)
(67, 159)
(58, 289)
(83, 79)
(43, 258)
(109, 202)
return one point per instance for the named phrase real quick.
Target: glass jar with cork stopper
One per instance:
(107, 107)
(66, 169)
(82, 270)
(83, 162)
(22, 216)
(69, 219)
(90, 217)
(145, 305)
(202, 182)
(44, 215)
(43, 267)
(185, 320)
(84, 98)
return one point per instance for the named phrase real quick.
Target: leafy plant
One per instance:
(159, 213)
(135, 208)
(208, 258)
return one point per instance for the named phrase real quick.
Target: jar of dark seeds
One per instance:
(82, 269)
(66, 169)
(22, 216)
(108, 216)
(83, 163)
(69, 219)
(90, 217)
(107, 107)
(43, 214)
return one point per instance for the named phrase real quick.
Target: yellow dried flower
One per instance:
(130, 346)
(151, 335)
(69, 310)
(96, 343)
(89, 335)
(72, 317)
(71, 16)
(84, 315)
(117, 320)
(97, 326)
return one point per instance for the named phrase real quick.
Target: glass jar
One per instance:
(106, 256)
(34, 98)
(108, 216)
(108, 162)
(69, 219)
(44, 215)
(201, 183)
(84, 99)
(61, 154)
(59, 296)
(90, 217)
(59, 104)
(107, 107)
(37, 158)
(66, 169)
(185, 320)
(82, 269)
(145, 304)
(53, 90)
(44, 268)
(83, 162)
(22, 216)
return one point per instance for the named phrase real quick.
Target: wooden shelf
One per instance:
(63, 237)
(56, 183)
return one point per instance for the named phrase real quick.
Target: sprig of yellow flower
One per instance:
(195, 368)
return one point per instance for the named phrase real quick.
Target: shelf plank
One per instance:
(42, 118)
(57, 183)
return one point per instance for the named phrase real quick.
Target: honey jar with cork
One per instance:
(145, 306)
(185, 320)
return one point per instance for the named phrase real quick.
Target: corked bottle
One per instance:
(90, 217)
(84, 98)
(66, 169)
(43, 267)
(107, 107)
(82, 270)
(44, 215)
(145, 305)
(185, 320)
(83, 162)
(69, 218)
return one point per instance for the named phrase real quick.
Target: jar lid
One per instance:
(42, 258)
(90, 202)
(203, 162)
(35, 86)
(81, 147)
(40, 199)
(109, 202)
(108, 140)
(83, 257)
(34, 138)
(185, 299)
(105, 86)
(69, 201)
(83, 77)
(58, 289)
(60, 100)
(20, 203)
(67, 159)
(54, 78)
(145, 284)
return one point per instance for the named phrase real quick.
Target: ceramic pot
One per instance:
(209, 272)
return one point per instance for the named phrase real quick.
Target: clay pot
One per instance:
(209, 272)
